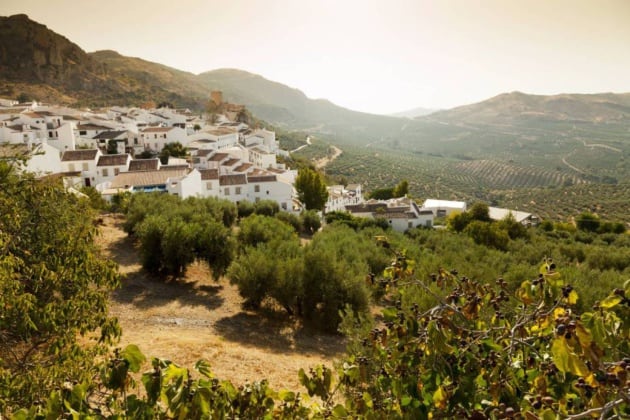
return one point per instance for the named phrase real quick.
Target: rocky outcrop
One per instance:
(29, 51)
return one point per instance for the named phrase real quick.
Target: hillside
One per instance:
(574, 134)
(517, 107)
(44, 65)
(414, 113)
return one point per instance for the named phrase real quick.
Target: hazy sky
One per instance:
(374, 56)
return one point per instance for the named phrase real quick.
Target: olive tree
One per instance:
(54, 287)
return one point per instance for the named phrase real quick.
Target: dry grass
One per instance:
(198, 318)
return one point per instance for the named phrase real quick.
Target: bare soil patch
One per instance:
(199, 318)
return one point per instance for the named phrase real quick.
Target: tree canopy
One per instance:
(54, 287)
(311, 189)
(172, 149)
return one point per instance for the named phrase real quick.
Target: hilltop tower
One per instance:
(216, 96)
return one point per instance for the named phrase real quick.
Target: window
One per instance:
(50, 134)
(135, 140)
(85, 166)
(116, 171)
(82, 133)
(257, 188)
(155, 136)
(267, 192)
(105, 172)
(71, 167)
(284, 206)
(238, 190)
(226, 191)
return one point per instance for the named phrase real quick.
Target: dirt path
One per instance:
(198, 318)
(320, 163)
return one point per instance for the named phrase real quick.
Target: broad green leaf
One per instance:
(367, 398)
(202, 400)
(287, 396)
(439, 398)
(134, 357)
(340, 411)
(595, 325)
(572, 298)
(610, 302)
(405, 401)
(565, 360)
(203, 367)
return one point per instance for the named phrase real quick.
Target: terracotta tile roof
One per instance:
(258, 172)
(20, 127)
(262, 178)
(144, 165)
(217, 157)
(243, 167)
(91, 127)
(276, 170)
(145, 178)
(204, 152)
(157, 129)
(366, 207)
(207, 174)
(220, 131)
(169, 167)
(77, 155)
(260, 150)
(109, 135)
(112, 160)
(231, 162)
(233, 179)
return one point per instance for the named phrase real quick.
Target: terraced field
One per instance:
(609, 202)
(498, 175)
(553, 194)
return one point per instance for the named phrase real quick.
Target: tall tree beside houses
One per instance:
(311, 189)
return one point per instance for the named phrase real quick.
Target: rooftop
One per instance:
(208, 174)
(113, 160)
(78, 155)
(109, 135)
(90, 126)
(233, 179)
(145, 178)
(144, 165)
(218, 157)
(221, 131)
(157, 130)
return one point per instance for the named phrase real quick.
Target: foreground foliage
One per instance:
(480, 352)
(54, 289)
(506, 340)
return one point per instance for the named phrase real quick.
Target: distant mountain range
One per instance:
(415, 112)
(518, 107)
